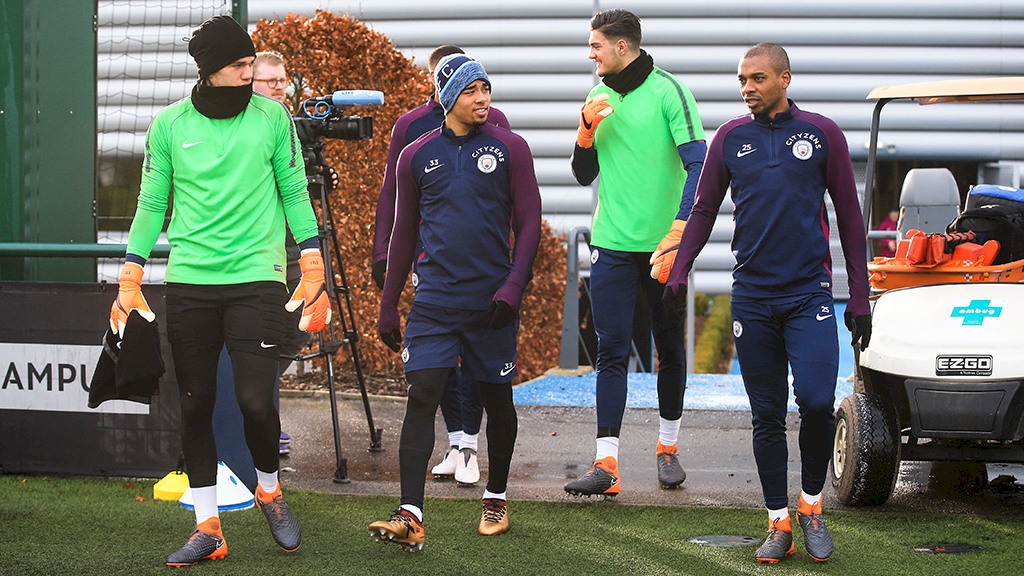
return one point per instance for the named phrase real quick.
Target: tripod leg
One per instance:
(375, 434)
(351, 335)
(341, 472)
(329, 345)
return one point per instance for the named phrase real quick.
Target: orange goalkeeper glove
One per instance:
(665, 256)
(311, 293)
(129, 297)
(595, 110)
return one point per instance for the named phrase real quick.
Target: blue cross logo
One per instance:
(976, 312)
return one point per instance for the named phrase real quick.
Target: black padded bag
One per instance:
(996, 221)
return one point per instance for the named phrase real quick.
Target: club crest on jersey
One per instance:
(488, 158)
(486, 163)
(803, 149)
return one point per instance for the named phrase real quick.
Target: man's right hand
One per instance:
(664, 256)
(378, 270)
(389, 327)
(594, 111)
(393, 339)
(674, 302)
(129, 297)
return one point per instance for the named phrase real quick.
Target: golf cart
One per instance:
(943, 376)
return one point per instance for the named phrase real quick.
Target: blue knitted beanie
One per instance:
(452, 74)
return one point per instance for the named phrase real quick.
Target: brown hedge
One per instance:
(332, 52)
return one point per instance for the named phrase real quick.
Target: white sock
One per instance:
(415, 511)
(607, 446)
(778, 514)
(205, 500)
(268, 480)
(489, 494)
(812, 500)
(668, 433)
(469, 441)
(454, 438)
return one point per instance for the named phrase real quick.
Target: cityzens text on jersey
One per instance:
(804, 136)
(495, 150)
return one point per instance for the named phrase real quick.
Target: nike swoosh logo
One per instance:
(507, 371)
(586, 124)
(430, 169)
(819, 317)
(187, 144)
(265, 345)
(743, 153)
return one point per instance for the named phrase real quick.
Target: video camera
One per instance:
(322, 117)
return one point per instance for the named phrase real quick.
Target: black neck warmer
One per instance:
(632, 76)
(220, 102)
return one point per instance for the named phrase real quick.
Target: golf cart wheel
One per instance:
(866, 450)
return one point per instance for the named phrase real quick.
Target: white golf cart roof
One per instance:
(937, 92)
(965, 90)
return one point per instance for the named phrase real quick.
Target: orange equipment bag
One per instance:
(953, 257)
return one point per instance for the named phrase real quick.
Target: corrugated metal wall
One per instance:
(536, 54)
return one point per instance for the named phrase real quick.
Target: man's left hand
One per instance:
(860, 327)
(665, 255)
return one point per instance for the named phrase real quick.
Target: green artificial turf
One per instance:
(84, 526)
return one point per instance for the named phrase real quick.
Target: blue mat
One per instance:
(703, 391)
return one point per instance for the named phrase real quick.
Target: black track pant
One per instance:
(248, 318)
(417, 440)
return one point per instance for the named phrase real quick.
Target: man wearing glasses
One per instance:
(268, 75)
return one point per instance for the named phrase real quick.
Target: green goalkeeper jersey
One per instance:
(233, 182)
(642, 176)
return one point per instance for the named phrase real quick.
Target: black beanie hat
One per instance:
(218, 42)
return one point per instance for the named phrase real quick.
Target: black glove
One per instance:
(331, 178)
(500, 315)
(378, 270)
(860, 327)
(392, 339)
(674, 304)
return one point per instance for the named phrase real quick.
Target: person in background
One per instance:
(640, 130)
(887, 246)
(779, 161)
(465, 179)
(233, 162)
(269, 76)
(460, 405)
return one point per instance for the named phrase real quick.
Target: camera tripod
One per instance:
(328, 339)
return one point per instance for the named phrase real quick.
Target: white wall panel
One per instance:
(536, 54)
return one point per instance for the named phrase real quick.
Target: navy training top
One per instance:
(409, 126)
(460, 197)
(779, 170)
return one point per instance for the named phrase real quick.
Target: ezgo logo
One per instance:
(963, 365)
